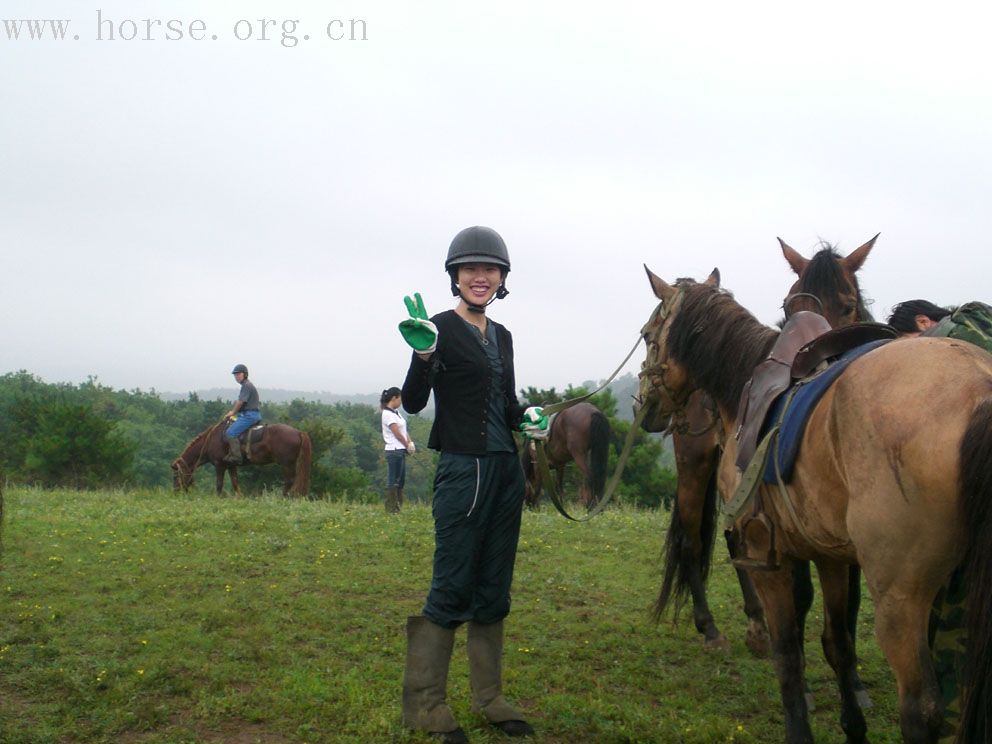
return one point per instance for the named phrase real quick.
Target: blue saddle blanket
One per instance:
(801, 406)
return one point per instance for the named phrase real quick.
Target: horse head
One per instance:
(182, 476)
(665, 386)
(827, 284)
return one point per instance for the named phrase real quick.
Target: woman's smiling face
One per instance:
(478, 282)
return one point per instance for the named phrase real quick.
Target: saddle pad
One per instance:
(801, 404)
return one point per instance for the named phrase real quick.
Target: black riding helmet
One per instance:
(240, 368)
(478, 245)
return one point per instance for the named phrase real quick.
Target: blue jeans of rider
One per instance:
(395, 468)
(245, 420)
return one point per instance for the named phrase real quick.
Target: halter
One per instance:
(680, 420)
(660, 369)
(796, 295)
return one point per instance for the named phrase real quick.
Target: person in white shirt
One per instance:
(398, 444)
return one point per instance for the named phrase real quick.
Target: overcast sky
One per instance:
(169, 208)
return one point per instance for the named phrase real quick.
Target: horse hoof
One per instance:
(863, 698)
(720, 643)
(757, 641)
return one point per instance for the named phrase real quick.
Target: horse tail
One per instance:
(301, 482)
(976, 495)
(599, 453)
(676, 583)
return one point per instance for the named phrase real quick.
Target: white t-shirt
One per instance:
(389, 416)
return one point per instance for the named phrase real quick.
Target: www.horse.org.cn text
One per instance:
(286, 32)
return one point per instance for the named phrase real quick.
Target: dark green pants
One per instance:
(477, 506)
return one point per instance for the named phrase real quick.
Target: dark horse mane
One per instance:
(824, 277)
(736, 342)
(202, 436)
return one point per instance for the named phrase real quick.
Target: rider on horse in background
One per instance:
(244, 413)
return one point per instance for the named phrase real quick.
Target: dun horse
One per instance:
(581, 434)
(828, 284)
(894, 473)
(280, 444)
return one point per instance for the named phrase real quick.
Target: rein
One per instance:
(544, 471)
(557, 498)
(183, 468)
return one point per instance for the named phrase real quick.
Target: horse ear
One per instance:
(857, 257)
(660, 288)
(714, 278)
(797, 262)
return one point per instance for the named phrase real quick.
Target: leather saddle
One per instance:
(252, 435)
(806, 342)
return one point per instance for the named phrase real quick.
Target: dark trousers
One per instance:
(477, 506)
(395, 468)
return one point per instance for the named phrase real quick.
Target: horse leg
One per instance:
(234, 480)
(691, 496)
(853, 606)
(756, 636)
(288, 476)
(775, 588)
(901, 629)
(220, 478)
(838, 645)
(802, 591)
(585, 493)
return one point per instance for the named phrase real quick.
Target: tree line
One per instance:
(89, 435)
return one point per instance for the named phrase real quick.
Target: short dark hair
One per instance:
(903, 317)
(387, 395)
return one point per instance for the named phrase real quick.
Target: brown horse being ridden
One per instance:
(828, 284)
(281, 444)
(580, 433)
(871, 485)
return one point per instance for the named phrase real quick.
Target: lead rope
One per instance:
(552, 487)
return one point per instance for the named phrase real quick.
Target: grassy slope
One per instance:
(149, 617)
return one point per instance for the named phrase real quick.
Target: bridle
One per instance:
(657, 372)
(795, 296)
(185, 472)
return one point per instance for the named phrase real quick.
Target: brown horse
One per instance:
(580, 434)
(872, 485)
(281, 444)
(826, 283)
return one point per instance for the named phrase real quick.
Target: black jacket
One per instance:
(459, 374)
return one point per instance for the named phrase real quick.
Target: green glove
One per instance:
(535, 423)
(418, 331)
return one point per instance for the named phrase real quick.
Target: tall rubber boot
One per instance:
(399, 498)
(392, 500)
(425, 680)
(233, 451)
(485, 666)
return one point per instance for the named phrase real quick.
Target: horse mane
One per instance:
(824, 277)
(199, 438)
(735, 342)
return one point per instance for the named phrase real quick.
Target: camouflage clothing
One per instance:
(972, 322)
(948, 646)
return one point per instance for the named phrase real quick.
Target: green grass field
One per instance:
(144, 616)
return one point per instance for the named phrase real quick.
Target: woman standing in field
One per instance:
(398, 444)
(466, 359)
